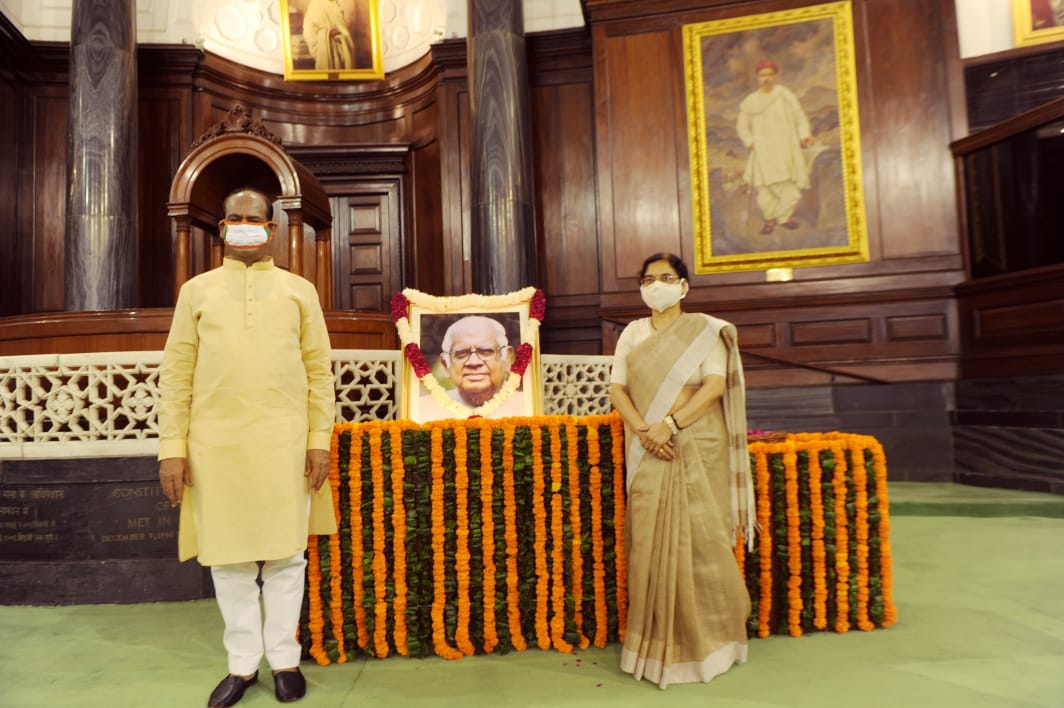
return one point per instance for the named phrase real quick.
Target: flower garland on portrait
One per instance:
(523, 353)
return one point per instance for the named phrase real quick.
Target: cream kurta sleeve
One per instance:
(317, 360)
(175, 380)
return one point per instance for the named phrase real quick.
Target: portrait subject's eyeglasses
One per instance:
(483, 353)
(669, 278)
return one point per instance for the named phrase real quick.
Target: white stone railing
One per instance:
(103, 405)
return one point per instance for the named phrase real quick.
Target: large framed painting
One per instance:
(1037, 21)
(332, 40)
(774, 139)
(470, 355)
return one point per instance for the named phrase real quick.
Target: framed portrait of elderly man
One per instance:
(470, 355)
(331, 40)
(774, 140)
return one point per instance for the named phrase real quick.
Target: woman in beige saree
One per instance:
(677, 382)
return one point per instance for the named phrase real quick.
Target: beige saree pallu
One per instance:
(688, 604)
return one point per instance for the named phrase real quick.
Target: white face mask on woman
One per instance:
(661, 296)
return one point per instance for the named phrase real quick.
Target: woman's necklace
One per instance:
(661, 320)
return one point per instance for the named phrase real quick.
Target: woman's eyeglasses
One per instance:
(483, 353)
(669, 278)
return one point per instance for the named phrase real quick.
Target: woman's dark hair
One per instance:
(673, 260)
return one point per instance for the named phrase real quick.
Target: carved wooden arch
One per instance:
(239, 152)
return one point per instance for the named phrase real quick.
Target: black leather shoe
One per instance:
(289, 685)
(230, 690)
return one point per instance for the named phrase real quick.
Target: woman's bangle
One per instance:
(671, 422)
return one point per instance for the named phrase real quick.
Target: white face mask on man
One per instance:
(661, 296)
(245, 235)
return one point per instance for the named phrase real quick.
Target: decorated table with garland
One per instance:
(460, 537)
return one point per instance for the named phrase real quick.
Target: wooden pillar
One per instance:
(100, 267)
(503, 245)
(183, 255)
(323, 267)
(295, 241)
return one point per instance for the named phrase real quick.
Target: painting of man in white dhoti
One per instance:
(774, 129)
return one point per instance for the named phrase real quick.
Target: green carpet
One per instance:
(980, 625)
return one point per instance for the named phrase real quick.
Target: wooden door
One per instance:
(367, 245)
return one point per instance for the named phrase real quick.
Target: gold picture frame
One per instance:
(759, 214)
(460, 382)
(1037, 21)
(332, 40)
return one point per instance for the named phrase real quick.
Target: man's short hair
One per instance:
(265, 198)
(499, 331)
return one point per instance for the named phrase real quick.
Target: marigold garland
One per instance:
(571, 442)
(794, 540)
(598, 569)
(818, 551)
(439, 572)
(316, 622)
(555, 592)
(842, 552)
(539, 540)
(557, 623)
(395, 437)
(860, 488)
(461, 554)
(379, 564)
(354, 487)
(886, 569)
(487, 519)
(513, 606)
(764, 546)
(336, 607)
(617, 455)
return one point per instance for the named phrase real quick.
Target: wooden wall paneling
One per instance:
(954, 67)
(320, 113)
(77, 332)
(424, 257)
(563, 139)
(453, 99)
(43, 196)
(162, 117)
(361, 330)
(912, 128)
(146, 330)
(1013, 324)
(886, 339)
(637, 158)
(564, 152)
(889, 335)
(10, 238)
(165, 82)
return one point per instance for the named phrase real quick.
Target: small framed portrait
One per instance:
(470, 355)
(774, 140)
(1037, 21)
(332, 40)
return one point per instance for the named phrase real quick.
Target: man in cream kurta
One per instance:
(246, 416)
(774, 128)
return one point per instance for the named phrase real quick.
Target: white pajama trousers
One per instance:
(778, 200)
(248, 634)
